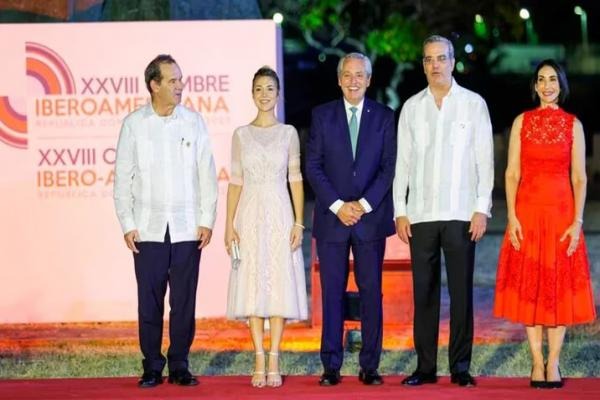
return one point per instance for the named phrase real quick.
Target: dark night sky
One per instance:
(555, 22)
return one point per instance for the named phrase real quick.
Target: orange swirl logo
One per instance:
(13, 125)
(50, 70)
(45, 65)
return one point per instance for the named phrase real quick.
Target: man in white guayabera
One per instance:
(445, 160)
(165, 196)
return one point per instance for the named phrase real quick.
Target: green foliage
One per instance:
(580, 357)
(398, 39)
(11, 16)
(480, 29)
(312, 20)
(391, 32)
(361, 26)
(328, 21)
(318, 14)
(137, 10)
(395, 29)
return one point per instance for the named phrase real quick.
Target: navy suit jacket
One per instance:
(334, 174)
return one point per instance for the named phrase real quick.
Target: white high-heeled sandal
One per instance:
(274, 377)
(258, 377)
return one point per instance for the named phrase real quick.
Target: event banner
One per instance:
(64, 91)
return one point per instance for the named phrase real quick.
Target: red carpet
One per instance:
(295, 387)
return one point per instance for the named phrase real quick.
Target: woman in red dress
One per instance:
(543, 278)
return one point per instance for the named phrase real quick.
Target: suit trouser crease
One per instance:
(156, 266)
(427, 242)
(334, 271)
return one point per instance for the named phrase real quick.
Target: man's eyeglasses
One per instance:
(440, 59)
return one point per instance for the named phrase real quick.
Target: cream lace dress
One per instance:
(269, 281)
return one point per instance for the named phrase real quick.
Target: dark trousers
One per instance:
(157, 265)
(334, 266)
(459, 252)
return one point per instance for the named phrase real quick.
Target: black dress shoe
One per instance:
(537, 384)
(182, 377)
(462, 379)
(370, 377)
(330, 377)
(150, 379)
(419, 378)
(555, 384)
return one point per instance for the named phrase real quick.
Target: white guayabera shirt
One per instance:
(445, 157)
(165, 175)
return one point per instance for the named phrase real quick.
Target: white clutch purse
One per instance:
(235, 254)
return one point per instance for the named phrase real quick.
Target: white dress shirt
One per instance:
(335, 207)
(165, 175)
(445, 157)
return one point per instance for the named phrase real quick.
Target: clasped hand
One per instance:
(350, 213)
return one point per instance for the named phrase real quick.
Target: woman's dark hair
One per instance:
(562, 80)
(266, 71)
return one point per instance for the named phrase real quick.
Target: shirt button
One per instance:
(354, 173)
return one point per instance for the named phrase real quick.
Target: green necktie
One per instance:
(353, 130)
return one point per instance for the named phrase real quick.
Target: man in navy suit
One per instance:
(350, 164)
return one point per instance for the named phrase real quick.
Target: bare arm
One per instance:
(512, 178)
(234, 190)
(297, 190)
(578, 176)
(578, 182)
(233, 198)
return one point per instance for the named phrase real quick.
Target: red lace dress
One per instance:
(540, 284)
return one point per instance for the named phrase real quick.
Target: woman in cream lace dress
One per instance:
(269, 281)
